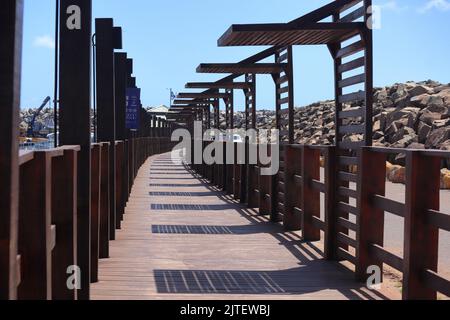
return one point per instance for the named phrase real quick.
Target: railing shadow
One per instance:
(314, 274)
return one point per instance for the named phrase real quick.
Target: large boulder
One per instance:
(423, 132)
(437, 137)
(400, 159)
(408, 116)
(419, 90)
(445, 179)
(405, 132)
(396, 174)
(445, 95)
(405, 141)
(430, 117)
(420, 101)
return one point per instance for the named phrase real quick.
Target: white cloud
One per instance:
(441, 5)
(44, 42)
(392, 6)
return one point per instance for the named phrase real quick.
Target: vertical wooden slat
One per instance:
(293, 194)
(75, 114)
(11, 19)
(310, 197)
(370, 221)
(330, 241)
(421, 239)
(95, 209)
(264, 186)
(253, 181)
(34, 228)
(64, 217)
(105, 184)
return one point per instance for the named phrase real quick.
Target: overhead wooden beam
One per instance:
(187, 95)
(191, 102)
(252, 59)
(215, 85)
(11, 22)
(238, 68)
(284, 34)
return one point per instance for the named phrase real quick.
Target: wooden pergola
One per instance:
(349, 41)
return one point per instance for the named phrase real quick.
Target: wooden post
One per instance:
(119, 184)
(253, 181)
(264, 186)
(64, 217)
(421, 239)
(293, 194)
(120, 74)
(107, 38)
(243, 174)
(370, 222)
(95, 209)
(75, 113)
(35, 232)
(11, 18)
(310, 196)
(104, 202)
(236, 173)
(330, 241)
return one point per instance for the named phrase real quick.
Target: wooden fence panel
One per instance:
(64, 217)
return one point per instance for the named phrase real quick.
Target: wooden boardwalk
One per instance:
(182, 239)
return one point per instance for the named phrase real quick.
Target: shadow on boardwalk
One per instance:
(314, 274)
(184, 239)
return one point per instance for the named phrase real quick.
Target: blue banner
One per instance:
(133, 106)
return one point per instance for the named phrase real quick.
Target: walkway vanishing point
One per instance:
(184, 239)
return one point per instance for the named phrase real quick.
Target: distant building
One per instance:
(160, 111)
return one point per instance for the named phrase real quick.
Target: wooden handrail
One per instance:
(48, 188)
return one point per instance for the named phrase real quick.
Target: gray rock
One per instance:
(430, 117)
(402, 134)
(419, 90)
(423, 132)
(378, 135)
(420, 101)
(400, 159)
(405, 142)
(437, 137)
(441, 124)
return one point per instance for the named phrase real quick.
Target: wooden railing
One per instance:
(422, 220)
(48, 211)
(293, 197)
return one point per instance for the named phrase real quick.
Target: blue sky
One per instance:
(168, 39)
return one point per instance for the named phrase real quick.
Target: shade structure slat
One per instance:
(351, 113)
(351, 65)
(238, 68)
(284, 34)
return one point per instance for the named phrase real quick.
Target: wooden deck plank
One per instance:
(182, 239)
